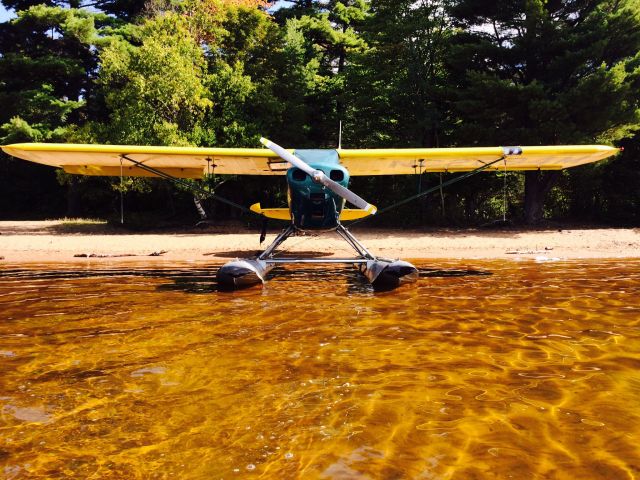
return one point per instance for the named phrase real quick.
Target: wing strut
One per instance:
(507, 151)
(187, 185)
(121, 194)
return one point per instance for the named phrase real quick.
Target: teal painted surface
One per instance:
(314, 207)
(323, 157)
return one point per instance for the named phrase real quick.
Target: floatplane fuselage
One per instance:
(312, 208)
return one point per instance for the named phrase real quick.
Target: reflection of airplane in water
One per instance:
(317, 182)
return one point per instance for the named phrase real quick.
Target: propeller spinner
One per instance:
(319, 176)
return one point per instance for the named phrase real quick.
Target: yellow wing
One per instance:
(183, 162)
(417, 160)
(191, 162)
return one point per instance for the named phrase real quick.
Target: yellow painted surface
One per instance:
(222, 161)
(128, 171)
(480, 370)
(275, 213)
(412, 161)
(256, 161)
(346, 215)
(353, 214)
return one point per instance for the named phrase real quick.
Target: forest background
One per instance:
(397, 73)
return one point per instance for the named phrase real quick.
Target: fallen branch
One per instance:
(97, 255)
(529, 252)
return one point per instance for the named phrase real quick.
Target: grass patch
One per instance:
(82, 221)
(80, 225)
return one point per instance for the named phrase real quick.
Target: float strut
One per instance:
(286, 233)
(353, 241)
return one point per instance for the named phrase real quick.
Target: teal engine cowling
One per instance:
(313, 206)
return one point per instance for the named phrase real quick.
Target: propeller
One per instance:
(318, 176)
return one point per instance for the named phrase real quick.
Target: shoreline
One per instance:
(58, 241)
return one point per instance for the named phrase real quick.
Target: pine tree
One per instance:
(329, 39)
(47, 65)
(545, 72)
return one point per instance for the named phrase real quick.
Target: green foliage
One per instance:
(125, 9)
(541, 72)
(43, 117)
(545, 73)
(241, 78)
(155, 91)
(398, 73)
(322, 43)
(400, 82)
(47, 63)
(45, 71)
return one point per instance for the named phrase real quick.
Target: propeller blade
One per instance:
(289, 157)
(319, 177)
(347, 194)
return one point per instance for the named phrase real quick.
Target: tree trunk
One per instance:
(537, 185)
(73, 198)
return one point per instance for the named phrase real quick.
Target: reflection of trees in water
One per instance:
(426, 272)
(203, 280)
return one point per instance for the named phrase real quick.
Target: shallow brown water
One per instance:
(480, 370)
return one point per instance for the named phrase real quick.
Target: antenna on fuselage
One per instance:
(340, 136)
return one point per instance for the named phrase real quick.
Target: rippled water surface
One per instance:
(480, 370)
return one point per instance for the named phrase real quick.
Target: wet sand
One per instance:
(59, 241)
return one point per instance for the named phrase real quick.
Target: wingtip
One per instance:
(9, 149)
(371, 209)
(264, 142)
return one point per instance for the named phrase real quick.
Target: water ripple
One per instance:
(479, 370)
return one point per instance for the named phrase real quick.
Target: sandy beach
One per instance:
(63, 241)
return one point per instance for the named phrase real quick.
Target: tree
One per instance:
(242, 62)
(46, 70)
(155, 91)
(399, 84)
(325, 38)
(124, 9)
(188, 75)
(47, 65)
(545, 72)
(620, 195)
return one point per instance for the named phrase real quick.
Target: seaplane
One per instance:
(318, 186)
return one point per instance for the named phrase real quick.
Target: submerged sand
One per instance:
(63, 241)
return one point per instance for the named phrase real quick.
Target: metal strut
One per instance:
(507, 151)
(286, 233)
(121, 195)
(363, 254)
(187, 185)
(353, 241)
